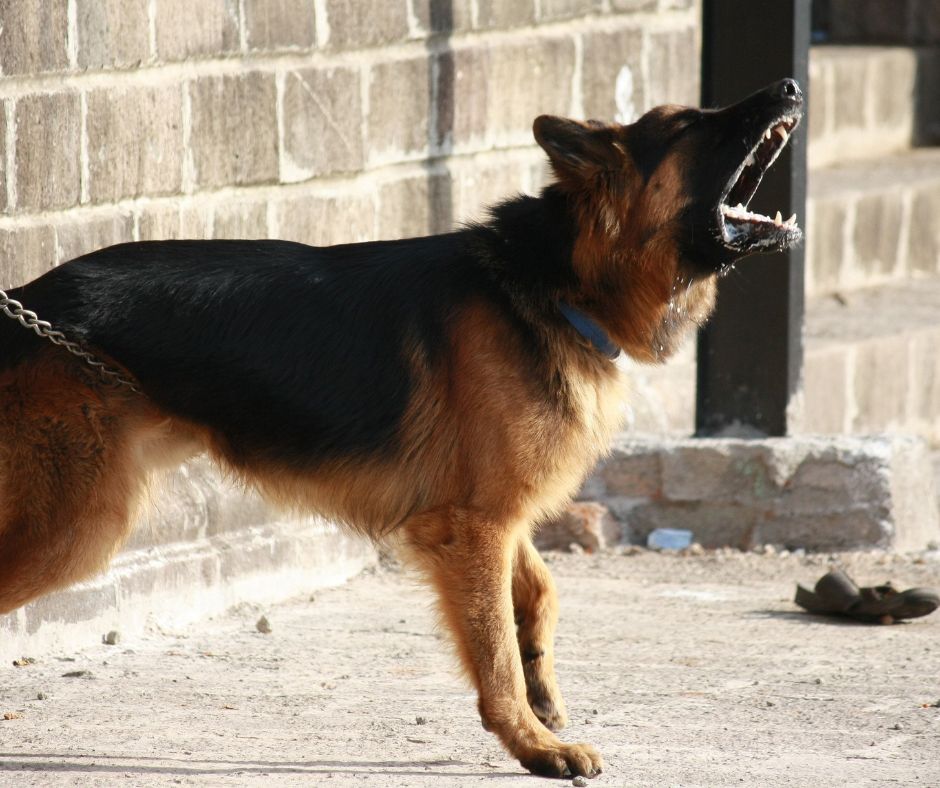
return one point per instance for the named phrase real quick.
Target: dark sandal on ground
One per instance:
(836, 594)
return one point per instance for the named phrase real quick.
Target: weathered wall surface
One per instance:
(323, 121)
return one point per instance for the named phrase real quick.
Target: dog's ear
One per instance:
(576, 150)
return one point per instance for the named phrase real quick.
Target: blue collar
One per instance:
(590, 330)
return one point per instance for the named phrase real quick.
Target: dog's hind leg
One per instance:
(469, 558)
(535, 604)
(69, 475)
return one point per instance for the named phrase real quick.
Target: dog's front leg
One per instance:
(469, 558)
(535, 604)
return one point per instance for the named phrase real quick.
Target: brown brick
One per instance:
(877, 231)
(399, 105)
(881, 384)
(483, 181)
(240, 220)
(444, 16)
(366, 23)
(926, 21)
(48, 129)
(33, 37)
(612, 76)
(826, 248)
(324, 220)
(25, 252)
(816, 111)
(501, 15)
(550, 10)
(322, 117)
(489, 91)
(234, 129)
(112, 33)
(825, 395)
(279, 24)
(674, 67)
(544, 70)
(849, 83)
(927, 116)
(135, 142)
(924, 246)
(870, 20)
(3, 156)
(633, 5)
(78, 237)
(186, 28)
(163, 222)
(893, 82)
(464, 74)
(926, 365)
(633, 473)
(417, 205)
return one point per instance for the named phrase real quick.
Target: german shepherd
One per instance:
(447, 392)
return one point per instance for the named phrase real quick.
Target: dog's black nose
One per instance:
(789, 88)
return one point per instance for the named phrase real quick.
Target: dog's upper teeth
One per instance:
(781, 132)
(767, 134)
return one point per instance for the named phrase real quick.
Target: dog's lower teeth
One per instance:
(778, 219)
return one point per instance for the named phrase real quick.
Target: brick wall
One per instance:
(323, 121)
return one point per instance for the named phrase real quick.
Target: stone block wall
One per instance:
(323, 121)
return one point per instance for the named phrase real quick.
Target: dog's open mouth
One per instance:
(744, 230)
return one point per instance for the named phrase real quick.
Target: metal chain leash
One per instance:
(29, 319)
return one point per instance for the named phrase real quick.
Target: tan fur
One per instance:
(74, 460)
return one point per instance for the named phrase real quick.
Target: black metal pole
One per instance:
(750, 354)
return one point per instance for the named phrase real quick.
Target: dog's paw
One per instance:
(565, 760)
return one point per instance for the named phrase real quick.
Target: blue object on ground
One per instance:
(669, 539)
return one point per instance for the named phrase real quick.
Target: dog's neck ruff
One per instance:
(590, 330)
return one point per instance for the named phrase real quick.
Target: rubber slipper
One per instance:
(837, 594)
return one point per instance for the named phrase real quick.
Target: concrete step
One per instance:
(873, 222)
(204, 545)
(871, 365)
(873, 361)
(868, 101)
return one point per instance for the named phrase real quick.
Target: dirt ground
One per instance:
(683, 671)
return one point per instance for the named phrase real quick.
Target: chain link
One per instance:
(43, 328)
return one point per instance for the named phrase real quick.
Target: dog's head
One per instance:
(661, 206)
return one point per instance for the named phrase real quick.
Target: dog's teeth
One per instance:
(791, 220)
(781, 132)
(740, 207)
(767, 134)
(778, 219)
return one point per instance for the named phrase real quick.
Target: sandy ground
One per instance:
(683, 671)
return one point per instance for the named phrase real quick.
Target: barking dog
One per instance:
(444, 392)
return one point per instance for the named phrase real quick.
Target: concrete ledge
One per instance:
(204, 547)
(812, 492)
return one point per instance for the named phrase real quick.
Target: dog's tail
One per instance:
(69, 473)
